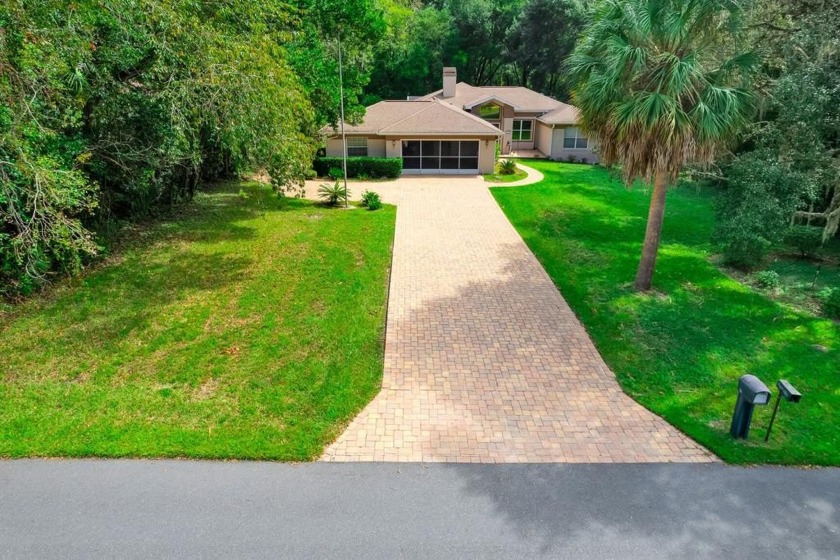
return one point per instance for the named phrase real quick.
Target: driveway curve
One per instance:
(484, 360)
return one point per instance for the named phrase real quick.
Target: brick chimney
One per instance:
(450, 78)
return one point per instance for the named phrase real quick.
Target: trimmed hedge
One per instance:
(371, 168)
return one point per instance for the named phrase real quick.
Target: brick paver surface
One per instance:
(484, 360)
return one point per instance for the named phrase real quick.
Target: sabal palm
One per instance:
(655, 92)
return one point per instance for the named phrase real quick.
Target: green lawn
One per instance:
(802, 280)
(500, 178)
(680, 351)
(239, 330)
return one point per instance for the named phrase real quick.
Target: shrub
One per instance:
(806, 239)
(745, 251)
(335, 173)
(754, 208)
(507, 167)
(375, 168)
(831, 304)
(333, 194)
(371, 200)
(768, 279)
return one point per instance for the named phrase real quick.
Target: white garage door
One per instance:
(440, 156)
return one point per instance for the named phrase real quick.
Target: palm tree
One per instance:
(656, 91)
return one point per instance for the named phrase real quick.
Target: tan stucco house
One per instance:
(455, 129)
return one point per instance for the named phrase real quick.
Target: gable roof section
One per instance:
(567, 114)
(521, 98)
(422, 118)
(489, 99)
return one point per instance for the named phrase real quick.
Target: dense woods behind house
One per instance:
(115, 110)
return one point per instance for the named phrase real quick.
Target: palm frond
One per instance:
(649, 88)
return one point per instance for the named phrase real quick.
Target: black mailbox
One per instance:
(788, 391)
(751, 392)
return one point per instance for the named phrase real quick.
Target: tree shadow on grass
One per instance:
(696, 333)
(167, 262)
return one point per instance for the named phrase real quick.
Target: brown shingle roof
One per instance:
(420, 117)
(521, 98)
(567, 114)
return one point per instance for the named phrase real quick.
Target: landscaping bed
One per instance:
(248, 328)
(502, 175)
(680, 350)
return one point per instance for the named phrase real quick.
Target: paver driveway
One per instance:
(484, 360)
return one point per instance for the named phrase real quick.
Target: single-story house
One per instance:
(431, 137)
(455, 129)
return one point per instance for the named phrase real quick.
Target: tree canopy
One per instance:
(491, 42)
(110, 109)
(787, 172)
(658, 87)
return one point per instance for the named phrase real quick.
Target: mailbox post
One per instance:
(751, 392)
(790, 394)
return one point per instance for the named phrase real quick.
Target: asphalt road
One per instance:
(185, 509)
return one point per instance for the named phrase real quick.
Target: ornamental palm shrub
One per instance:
(507, 167)
(371, 200)
(657, 88)
(332, 194)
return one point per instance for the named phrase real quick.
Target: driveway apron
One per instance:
(484, 360)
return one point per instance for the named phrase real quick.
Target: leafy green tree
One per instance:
(657, 89)
(540, 42)
(755, 206)
(409, 59)
(313, 53)
(794, 150)
(482, 28)
(109, 110)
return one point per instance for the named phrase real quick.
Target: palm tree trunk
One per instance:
(656, 215)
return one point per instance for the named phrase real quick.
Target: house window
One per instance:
(357, 147)
(490, 112)
(522, 130)
(573, 138)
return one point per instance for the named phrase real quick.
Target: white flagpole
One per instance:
(343, 136)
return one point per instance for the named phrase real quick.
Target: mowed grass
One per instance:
(679, 351)
(242, 329)
(499, 178)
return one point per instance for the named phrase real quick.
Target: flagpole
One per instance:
(343, 135)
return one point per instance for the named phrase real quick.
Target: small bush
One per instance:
(333, 194)
(335, 173)
(371, 200)
(507, 167)
(768, 279)
(806, 239)
(745, 251)
(375, 168)
(831, 304)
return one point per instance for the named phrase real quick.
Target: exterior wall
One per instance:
(507, 128)
(393, 147)
(334, 147)
(560, 153)
(376, 147)
(487, 156)
(542, 140)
